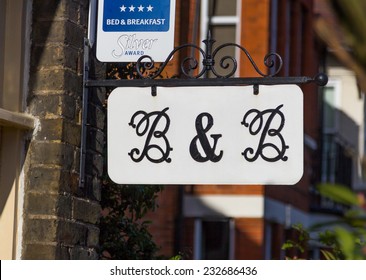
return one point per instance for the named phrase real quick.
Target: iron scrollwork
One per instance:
(190, 66)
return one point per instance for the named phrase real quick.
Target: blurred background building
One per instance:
(252, 222)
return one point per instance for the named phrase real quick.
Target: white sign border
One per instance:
(182, 101)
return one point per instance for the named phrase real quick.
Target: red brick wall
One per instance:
(164, 221)
(226, 189)
(188, 239)
(249, 235)
(277, 239)
(254, 34)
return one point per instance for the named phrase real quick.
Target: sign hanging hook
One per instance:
(154, 91)
(255, 89)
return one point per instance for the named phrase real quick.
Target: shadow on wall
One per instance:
(207, 229)
(6, 133)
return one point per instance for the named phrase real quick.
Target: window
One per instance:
(214, 239)
(336, 160)
(222, 19)
(330, 127)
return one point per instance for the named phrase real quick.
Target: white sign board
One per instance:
(206, 135)
(128, 29)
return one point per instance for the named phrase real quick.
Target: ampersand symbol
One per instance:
(205, 144)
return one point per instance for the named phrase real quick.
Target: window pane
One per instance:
(329, 108)
(215, 240)
(223, 34)
(222, 7)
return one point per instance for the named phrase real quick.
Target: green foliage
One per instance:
(299, 245)
(123, 231)
(352, 16)
(338, 193)
(347, 237)
(331, 250)
(129, 71)
(176, 258)
(122, 71)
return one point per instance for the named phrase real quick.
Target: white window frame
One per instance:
(220, 20)
(197, 239)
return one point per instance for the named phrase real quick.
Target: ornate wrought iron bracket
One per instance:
(211, 71)
(194, 73)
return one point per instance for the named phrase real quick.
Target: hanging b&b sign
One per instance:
(206, 135)
(128, 29)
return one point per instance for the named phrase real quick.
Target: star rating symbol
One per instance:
(132, 8)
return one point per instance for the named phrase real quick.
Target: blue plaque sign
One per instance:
(136, 15)
(129, 29)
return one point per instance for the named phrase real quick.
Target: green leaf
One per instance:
(328, 255)
(288, 245)
(346, 241)
(338, 193)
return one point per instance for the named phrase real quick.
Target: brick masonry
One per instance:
(60, 220)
